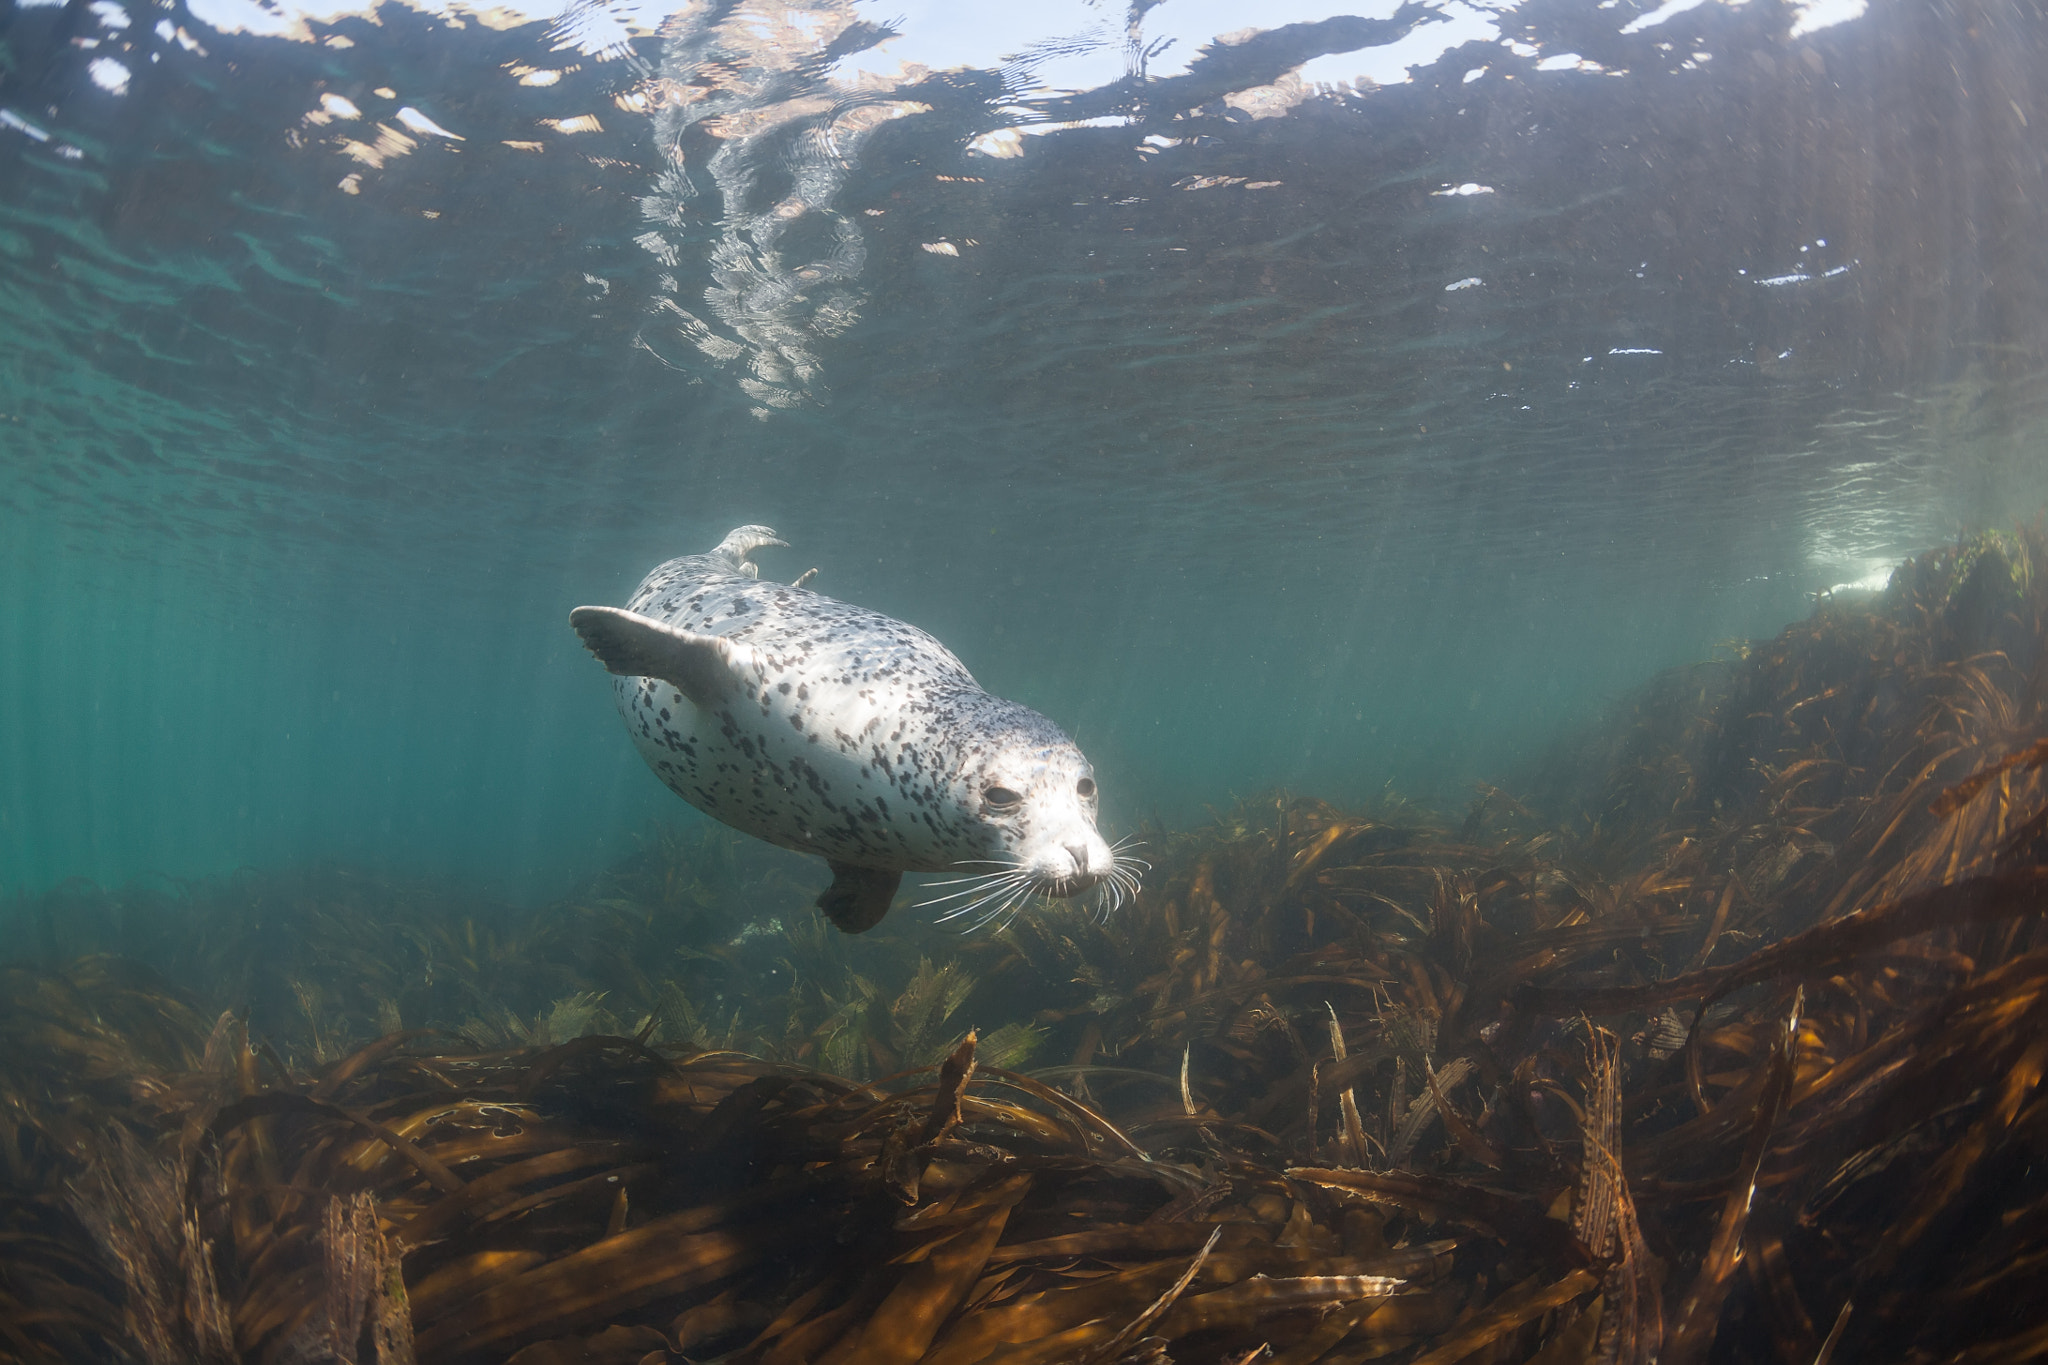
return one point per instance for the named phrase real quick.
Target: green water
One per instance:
(1243, 486)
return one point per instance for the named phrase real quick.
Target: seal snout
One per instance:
(1080, 864)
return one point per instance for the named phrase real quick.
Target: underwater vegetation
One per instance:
(1721, 1038)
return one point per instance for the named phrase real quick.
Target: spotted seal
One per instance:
(835, 730)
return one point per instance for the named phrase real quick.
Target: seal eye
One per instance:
(1001, 798)
(1086, 788)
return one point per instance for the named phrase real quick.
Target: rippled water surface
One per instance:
(1274, 395)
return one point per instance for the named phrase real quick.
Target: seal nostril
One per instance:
(1079, 853)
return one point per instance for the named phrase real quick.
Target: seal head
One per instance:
(835, 730)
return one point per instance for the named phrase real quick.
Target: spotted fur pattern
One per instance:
(854, 736)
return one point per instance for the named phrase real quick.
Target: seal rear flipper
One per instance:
(741, 542)
(858, 897)
(701, 667)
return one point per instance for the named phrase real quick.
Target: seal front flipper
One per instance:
(858, 897)
(701, 667)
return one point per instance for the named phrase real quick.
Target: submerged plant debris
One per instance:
(1723, 1040)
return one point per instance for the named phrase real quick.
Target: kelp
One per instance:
(1721, 1038)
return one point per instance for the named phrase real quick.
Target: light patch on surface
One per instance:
(10, 119)
(108, 75)
(1048, 48)
(786, 131)
(1469, 282)
(1003, 143)
(110, 14)
(352, 183)
(1658, 15)
(1877, 576)
(581, 123)
(606, 32)
(339, 106)
(1465, 190)
(769, 394)
(1423, 45)
(1780, 281)
(1277, 99)
(940, 248)
(390, 145)
(1475, 73)
(599, 31)
(1820, 14)
(1067, 125)
(1570, 61)
(941, 36)
(526, 146)
(1633, 350)
(537, 75)
(421, 124)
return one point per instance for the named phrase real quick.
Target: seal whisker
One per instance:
(978, 924)
(1004, 907)
(1109, 897)
(1007, 919)
(1120, 885)
(1006, 911)
(974, 890)
(975, 876)
(990, 884)
(1005, 887)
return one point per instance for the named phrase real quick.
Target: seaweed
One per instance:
(1720, 1038)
